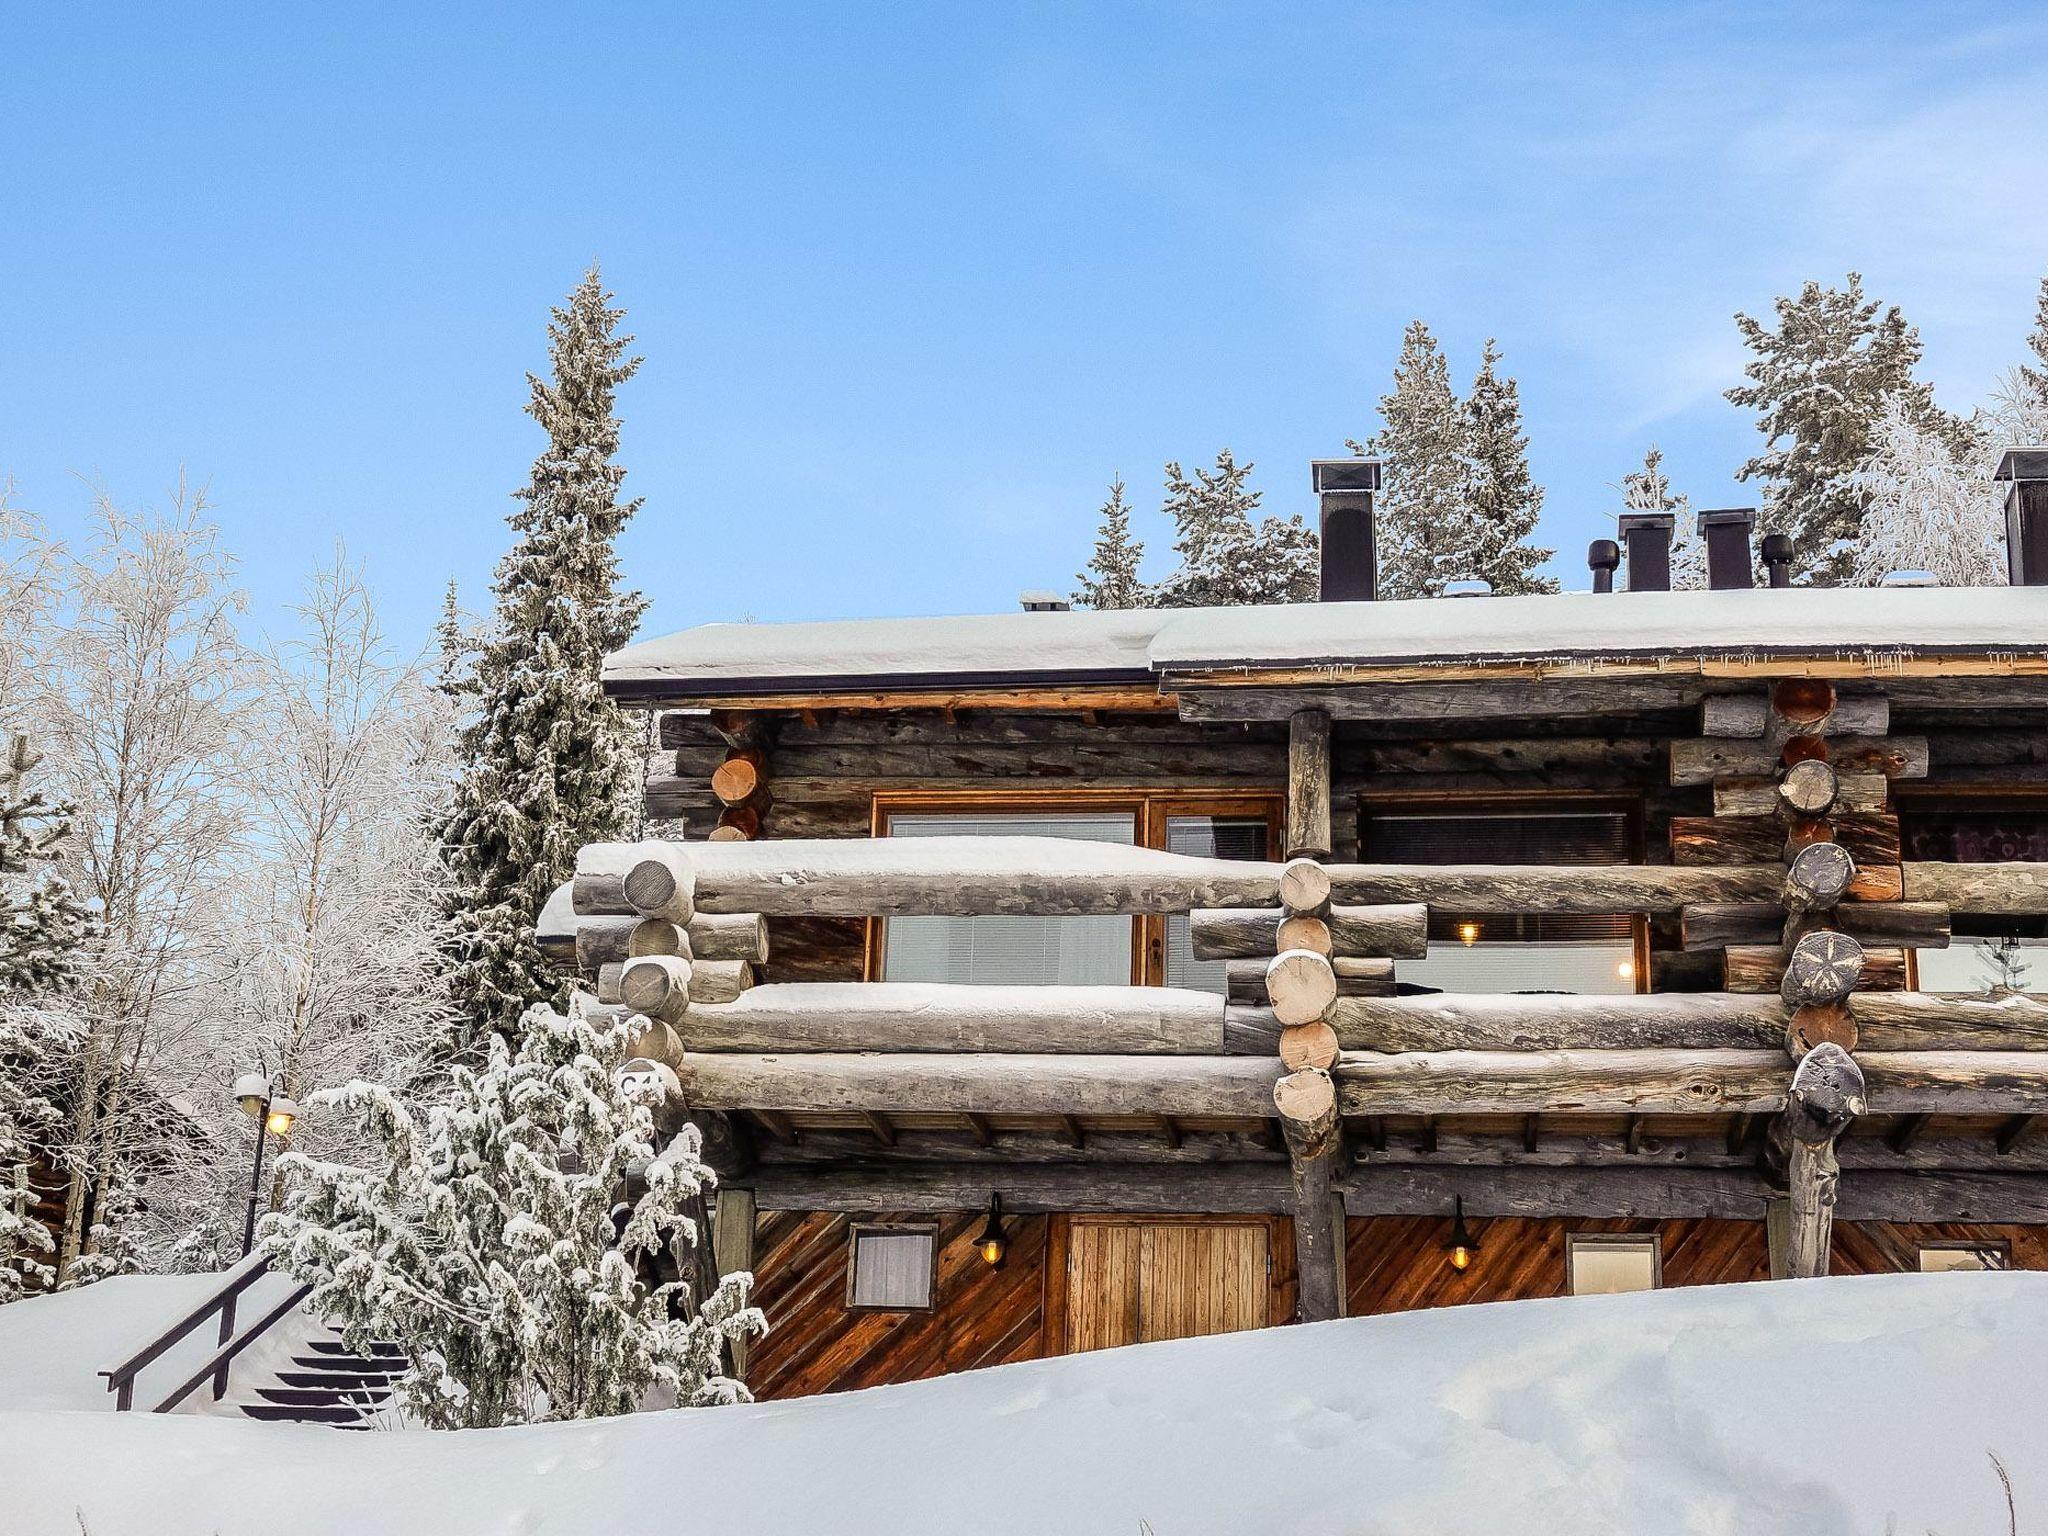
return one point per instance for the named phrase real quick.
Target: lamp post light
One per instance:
(1462, 1244)
(263, 1100)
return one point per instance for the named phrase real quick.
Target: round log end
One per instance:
(1818, 877)
(657, 936)
(1301, 985)
(1306, 1102)
(1808, 789)
(1803, 702)
(657, 887)
(655, 984)
(650, 1082)
(1827, 1093)
(1308, 1045)
(1310, 933)
(725, 834)
(1820, 1024)
(735, 780)
(1823, 967)
(655, 1041)
(1305, 888)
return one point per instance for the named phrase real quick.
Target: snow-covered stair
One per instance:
(323, 1381)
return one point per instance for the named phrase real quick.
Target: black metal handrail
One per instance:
(217, 1363)
(121, 1378)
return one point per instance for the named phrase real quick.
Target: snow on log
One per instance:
(662, 883)
(1396, 931)
(1951, 1021)
(967, 876)
(1544, 1021)
(561, 934)
(1490, 889)
(1039, 1084)
(2017, 889)
(935, 1016)
(719, 981)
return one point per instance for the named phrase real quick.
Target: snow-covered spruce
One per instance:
(519, 1240)
(42, 923)
(1227, 560)
(1421, 519)
(1502, 499)
(548, 762)
(1112, 580)
(1819, 383)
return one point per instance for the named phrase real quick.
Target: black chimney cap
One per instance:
(1353, 474)
(1604, 555)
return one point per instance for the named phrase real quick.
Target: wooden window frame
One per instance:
(1513, 802)
(1574, 1241)
(1916, 797)
(1998, 1245)
(1149, 810)
(857, 1230)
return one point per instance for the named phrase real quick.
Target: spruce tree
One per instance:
(1818, 383)
(523, 1236)
(1225, 559)
(1111, 580)
(1502, 499)
(1649, 490)
(2034, 375)
(547, 762)
(1422, 523)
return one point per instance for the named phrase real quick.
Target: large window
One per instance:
(1479, 952)
(1011, 951)
(1984, 951)
(1069, 951)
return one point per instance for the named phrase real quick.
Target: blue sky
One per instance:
(912, 281)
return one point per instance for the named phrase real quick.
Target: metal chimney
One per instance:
(1350, 566)
(1727, 531)
(1647, 538)
(2026, 515)
(1777, 552)
(1603, 556)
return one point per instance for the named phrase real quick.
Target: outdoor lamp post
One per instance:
(263, 1101)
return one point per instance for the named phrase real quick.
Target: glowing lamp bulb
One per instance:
(993, 1242)
(283, 1112)
(1626, 970)
(1461, 1257)
(1468, 933)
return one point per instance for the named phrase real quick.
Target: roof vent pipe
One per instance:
(1647, 538)
(1604, 556)
(2026, 515)
(1345, 488)
(1727, 530)
(1777, 549)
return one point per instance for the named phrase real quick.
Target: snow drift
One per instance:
(1821, 1407)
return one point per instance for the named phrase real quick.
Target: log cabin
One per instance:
(1054, 980)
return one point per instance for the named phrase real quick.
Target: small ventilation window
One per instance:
(1946, 1258)
(1598, 1265)
(890, 1268)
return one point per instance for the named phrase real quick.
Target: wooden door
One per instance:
(1137, 1281)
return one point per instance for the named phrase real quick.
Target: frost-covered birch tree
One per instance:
(1927, 507)
(1649, 490)
(547, 763)
(138, 704)
(518, 1237)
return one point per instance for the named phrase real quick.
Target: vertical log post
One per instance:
(732, 1246)
(1308, 785)
(1307, 1104)
(1827, 1093)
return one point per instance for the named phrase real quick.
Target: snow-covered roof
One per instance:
(1021, 649)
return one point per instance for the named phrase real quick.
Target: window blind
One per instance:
(1011, 951)
(891, 1269)
(1209, 837)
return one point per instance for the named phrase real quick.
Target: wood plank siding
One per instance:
(1030, 1307)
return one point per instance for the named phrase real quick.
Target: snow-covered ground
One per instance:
(1852, 1406)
